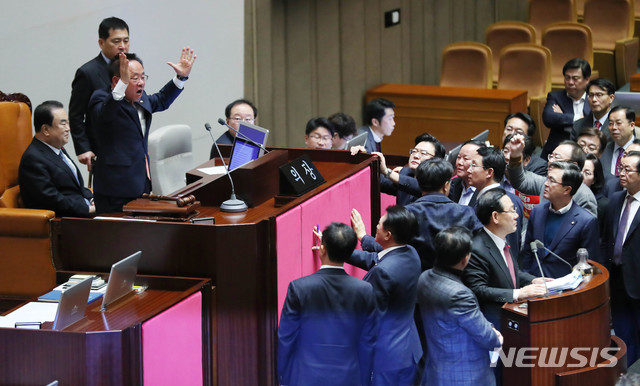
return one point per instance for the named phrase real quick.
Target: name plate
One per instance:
(299, 176)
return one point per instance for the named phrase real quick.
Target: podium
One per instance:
(563, 339)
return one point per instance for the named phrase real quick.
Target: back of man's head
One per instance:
(43, 114)
(452, 245)
(375, 109)
(344, 124)
(493, 158)
(110, 23)
(433, 174)
(488, 203)
(339, 240)
(401, 223)
(114, 66)
(426, 137)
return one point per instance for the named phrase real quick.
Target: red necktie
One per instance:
(512, 270)
(598, 125)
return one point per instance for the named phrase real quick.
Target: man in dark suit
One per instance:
(458, 335)
(564, 107)
(378, 116)
(493, 273)
(620, 245)
(48, 178)
(600, 94)
(486, 172)
(401, 182)
(560, 224)
(327, 329)
(237, 111)
(621, 128)
(113, 38)
(394, 273)
(460, 191)
(122, 119)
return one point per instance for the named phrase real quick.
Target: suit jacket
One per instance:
(406, 191)
(488, 277)
(120, 170)
(514, 239)
(607, 157)
(327, 330)
(458, 335)
(630, 248)
(611, 185)
(587, 121)
(537, 165)
(91, 76)
(371, 143)
(224, 139)
(533, 184)
(394, 279)
(46, 182)
(560, 125)
(578, 229)
(456, 188)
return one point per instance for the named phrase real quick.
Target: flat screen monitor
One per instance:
(243, 150)
(73, 303)
(358, 140)
(123, 274)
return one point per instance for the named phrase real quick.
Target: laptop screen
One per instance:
(243, 150)
(123, 274)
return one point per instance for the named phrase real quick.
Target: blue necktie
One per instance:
(69, 164)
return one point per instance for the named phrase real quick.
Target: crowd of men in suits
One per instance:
(472, 242)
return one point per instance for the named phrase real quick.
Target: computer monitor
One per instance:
(123, 274)
(73, 303)
(243, 150)
(358, 140)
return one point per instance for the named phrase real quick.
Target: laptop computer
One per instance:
(453, 154)
(73, 303)
(244, 151)
(123, 274)
(358, 140)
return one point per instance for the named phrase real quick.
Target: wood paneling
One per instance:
(309, 58)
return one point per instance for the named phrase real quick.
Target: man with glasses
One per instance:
(621, 243)
(236, 112)
(592, 141)
(319, 134)
(621, 129)
(122, 120)
(522, 123)
(113, 38)
(533, 184)
(600, 95)
(560, 224)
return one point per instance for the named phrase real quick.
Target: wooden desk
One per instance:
(250, 256)
(107, 348)
(450, 114)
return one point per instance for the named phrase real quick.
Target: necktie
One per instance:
(512, 271)
(622, 225)
(620, 151)
(378, 147)
(69, 164)
(598, 125)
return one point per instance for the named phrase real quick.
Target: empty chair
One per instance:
(527, 66)
(501, 34)
(545, 12)
(615, 49)
(170, 158)
(567, 41)
(466, 64)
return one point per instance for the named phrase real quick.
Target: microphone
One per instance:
(540, 244)
(232, 205)
(261, 146)
(534, 248)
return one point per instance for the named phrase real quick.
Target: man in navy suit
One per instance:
(122, 119)
(394, 273)
(560, 224)
(620, 244)
(48, 178)
(237, 111)
(458, 335)
(378, 115)
(113, 38)
(327, 329)
(600, 94)
(564, 107)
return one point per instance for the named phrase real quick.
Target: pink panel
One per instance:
(172, 345)
(385, 201)
(288, 236)
(360, 198)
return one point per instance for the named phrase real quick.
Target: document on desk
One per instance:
(567, 282)
(213, 170)
(30, 312)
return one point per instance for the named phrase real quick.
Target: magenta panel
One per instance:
(288, 236)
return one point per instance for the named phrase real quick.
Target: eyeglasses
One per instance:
(512, 211)
(139, 79)
(423, 153)
(553, 181)
(585, 146)
(319, 137)
(555, 157)
(240, 119)
(474, 165)
(623, 170)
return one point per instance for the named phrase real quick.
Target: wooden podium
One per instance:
(574, 319)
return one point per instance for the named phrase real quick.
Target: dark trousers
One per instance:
(625, 314)
(110, 204)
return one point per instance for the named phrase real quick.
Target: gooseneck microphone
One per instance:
(233, 204)
(534, 249)
(540, 244)
(261, 146)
